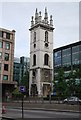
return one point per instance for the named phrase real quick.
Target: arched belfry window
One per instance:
(34, 59)
(46, 36)
(46, 59)
(34, 36)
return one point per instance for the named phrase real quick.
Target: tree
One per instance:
(78, 76)
(16, 93)
(25, 81)
(61, 84)
(71, 84)
(74, 82)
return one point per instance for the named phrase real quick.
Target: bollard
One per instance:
(3, 109)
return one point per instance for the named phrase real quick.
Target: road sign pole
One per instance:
(22, 108)
(22, 89)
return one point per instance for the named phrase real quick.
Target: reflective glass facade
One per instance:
(21, 65)
(75, 54)
(68, 57)
(57, 58)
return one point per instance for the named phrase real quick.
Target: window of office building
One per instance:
(1, 44)
(75, 49)
(66, 56)
(58, 61)
(7, 45)
(1, 33)
(5, 77)
(80, 56)
(80, 53)
(6, 67)
(80, 48)
(66, 60)
(66, 52)
(75, 58)
(6, 57)
(7, 35)
(58, 54)
(0, 67)
(57, 58)
(0, 55)
(75, 54)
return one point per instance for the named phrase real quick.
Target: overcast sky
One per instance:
(17, 16)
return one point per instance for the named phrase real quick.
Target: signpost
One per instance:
(54, 93)
(22, 89)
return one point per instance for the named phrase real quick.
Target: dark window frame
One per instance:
(1, 46)
(6, 58)
(1, 33)
(46, 59)
(5, 76)
(34, 36)
(34, 60)
(5, 67)
(6, 46)
(46, 36)
(7, 35)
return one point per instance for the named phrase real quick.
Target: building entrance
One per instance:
(46, 89)
(34, 91)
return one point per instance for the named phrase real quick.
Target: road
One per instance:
(17, 113)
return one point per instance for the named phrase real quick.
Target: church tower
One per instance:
(41, 54)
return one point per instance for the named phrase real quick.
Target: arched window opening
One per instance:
(46, 36)
(34, 36)
(34, 59)
(46, 59)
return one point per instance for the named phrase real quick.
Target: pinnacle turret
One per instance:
(46, 16)
(38, 18)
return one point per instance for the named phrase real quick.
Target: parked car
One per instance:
(72, 100)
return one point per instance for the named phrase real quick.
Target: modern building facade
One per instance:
(24, 65)
(16, 71)
(21, 66)
(7, 39)
(41, 54)
(68, 57)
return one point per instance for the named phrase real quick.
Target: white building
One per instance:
(41, 54)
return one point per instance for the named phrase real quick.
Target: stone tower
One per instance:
(41, 54)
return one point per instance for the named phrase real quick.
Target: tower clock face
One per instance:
(46, 44)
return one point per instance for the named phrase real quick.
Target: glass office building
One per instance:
(68, 57)
(21, 66)
(16, 72)
(24, 65)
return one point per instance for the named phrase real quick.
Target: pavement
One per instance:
(47, 106)
(44, 106)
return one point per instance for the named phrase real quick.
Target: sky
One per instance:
(17, 16)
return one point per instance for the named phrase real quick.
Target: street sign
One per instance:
(54, 93)
(22, 89)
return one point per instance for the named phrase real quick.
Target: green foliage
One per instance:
(60, 86)
(25, 81)
(16, 94)
(16, 91)
(70, 87)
